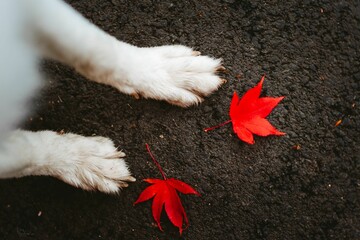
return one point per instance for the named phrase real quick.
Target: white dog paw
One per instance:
(176, 74)
(90, 163)
(96, 165)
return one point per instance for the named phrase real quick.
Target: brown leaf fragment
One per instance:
(296, 147)
(338, 122)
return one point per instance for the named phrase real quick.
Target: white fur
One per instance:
(53, 29)
(86, 162)
(18, 75)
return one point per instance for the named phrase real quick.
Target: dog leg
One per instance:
(91, 163)
(176, 74)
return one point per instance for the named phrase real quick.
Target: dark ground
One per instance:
(310, 52)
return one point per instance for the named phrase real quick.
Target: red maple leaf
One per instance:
(164, 194)
(248, 114)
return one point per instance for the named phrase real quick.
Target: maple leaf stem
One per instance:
(156, 162)
(217, 126)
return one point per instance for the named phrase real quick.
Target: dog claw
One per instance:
(131, 179)
(135, 95)
(221, 69)
(196, 53)
(223, 80)
(123, 184)
(128, 179)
